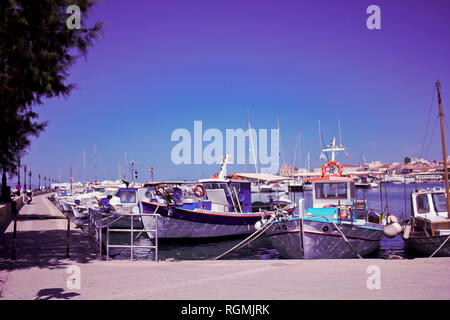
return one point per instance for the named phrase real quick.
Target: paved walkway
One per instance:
(41, 271)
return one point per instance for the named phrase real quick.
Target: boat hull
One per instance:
(320, 240)
(428, 245)
(175, 223)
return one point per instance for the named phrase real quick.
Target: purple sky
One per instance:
(163, 64)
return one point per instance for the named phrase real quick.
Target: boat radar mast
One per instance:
(333, 149)
(223, 171)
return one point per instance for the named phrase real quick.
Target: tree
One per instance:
(407, 160)
(37, 48)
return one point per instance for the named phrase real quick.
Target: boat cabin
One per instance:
(332, 191)
(228, 195)
(429, 203)
(124, 199)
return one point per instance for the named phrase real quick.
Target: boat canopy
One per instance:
(331, 178)
(268, 177)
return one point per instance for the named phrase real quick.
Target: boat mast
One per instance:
(444, 151)
(84, 166)
(95, 164)
(252, 146)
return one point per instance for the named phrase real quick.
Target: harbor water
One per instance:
(392, 197)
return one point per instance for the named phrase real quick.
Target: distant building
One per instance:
(346, 168)
(287, 170)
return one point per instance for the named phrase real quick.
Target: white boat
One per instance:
(429, 226)
(266, 188)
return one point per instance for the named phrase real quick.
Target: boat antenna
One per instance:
(444, 150)
(340, 134)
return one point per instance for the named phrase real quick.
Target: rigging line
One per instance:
(78, 167)
(323, 142)
(446, 123)
(428, 121)
(431, 138)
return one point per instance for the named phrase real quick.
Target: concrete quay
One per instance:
(42, 271)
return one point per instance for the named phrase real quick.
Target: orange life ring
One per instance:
(199, 191)
(331, 163)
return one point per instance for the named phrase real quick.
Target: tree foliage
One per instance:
(37, 50)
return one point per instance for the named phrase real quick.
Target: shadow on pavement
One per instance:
(44, 249)
(55, 293)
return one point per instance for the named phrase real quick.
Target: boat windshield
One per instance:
(440, 202)
(422, 203)
(333, 190)
(127, 196)
(217, 186)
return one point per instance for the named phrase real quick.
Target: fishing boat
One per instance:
(429, 226)
(428, 229)
(336, 226)
(122, 207)
(215, 207)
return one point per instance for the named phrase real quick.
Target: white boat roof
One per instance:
(263, 176)
(429, 190)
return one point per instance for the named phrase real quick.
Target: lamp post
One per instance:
(25, 177)
(31, 186)
(18, 172)
(39, 178)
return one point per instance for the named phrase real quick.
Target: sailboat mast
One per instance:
(444, 151)
(95, 164)
(252, 146)
(84, 166)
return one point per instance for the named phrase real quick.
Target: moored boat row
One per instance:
(337, 225)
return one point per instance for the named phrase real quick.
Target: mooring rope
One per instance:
(343, 236)
(439, 247)
(255, 234)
